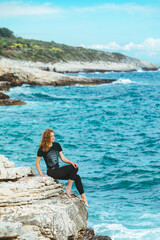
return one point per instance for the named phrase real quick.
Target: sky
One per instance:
(128, 27)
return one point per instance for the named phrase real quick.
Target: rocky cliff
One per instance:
(15, 73)
(36, 208)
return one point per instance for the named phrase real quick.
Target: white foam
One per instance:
(155, 217)
(119, 232)
(81, 73)
(140, 70)
(123, 81)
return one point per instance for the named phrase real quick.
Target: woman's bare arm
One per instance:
(38, 159)
(64, 159)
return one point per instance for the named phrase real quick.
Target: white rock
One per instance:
(39, 207)
(15, 173)
(10, 229)
(5, 192)
(5, 163)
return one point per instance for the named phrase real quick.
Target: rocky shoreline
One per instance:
(125, 65)
(37, 208)
(15, 73)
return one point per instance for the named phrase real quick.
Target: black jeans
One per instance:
(65, 173)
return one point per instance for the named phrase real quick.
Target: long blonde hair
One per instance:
(46, 140)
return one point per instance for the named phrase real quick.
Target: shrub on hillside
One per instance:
(5, 32)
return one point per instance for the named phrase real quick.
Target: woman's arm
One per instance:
(38, 159)
(64, 159)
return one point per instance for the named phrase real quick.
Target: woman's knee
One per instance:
(74, 169)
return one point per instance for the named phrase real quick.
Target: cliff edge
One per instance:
(36, 208)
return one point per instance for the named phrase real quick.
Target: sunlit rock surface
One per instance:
(34, 207)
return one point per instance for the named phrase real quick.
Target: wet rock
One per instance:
(4, 86)
(10, 102)
(12, 79)
(5, 101)
(88, 234)
(3, 96)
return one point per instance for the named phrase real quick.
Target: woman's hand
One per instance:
(74, 165)
(66, 160)
(44, 175)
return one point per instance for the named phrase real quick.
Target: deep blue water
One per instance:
(112, 131)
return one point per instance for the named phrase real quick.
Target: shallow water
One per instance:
(112, 131)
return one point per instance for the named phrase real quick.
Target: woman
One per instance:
(50, 151)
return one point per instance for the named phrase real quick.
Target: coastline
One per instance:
(15, 73)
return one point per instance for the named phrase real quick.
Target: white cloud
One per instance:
(149, 45)
(19, 8)
(128, 7)
(109, 46)
(14, 8)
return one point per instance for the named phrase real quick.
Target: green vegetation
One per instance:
(119, 56)
(34, 50)
(5, 32)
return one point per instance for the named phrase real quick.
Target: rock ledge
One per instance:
(36, 208)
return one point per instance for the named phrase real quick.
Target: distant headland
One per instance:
(34, 62)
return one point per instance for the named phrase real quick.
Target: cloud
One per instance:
(19, 8)
(128, 7)
(149, 45)
(15, 8)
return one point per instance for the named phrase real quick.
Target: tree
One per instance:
(5, 32)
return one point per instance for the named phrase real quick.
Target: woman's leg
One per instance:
(63, 173)
(69, 173)
(69, 187)
(84, 199)
(78, 184)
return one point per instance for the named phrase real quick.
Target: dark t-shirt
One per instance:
(51, 156)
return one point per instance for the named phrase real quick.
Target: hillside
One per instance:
(34, 50)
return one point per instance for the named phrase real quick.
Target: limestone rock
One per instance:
(36, 208)
(8, 172)
(39, 204)
(5, 163)
(10, 229)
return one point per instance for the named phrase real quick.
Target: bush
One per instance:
(5, 32)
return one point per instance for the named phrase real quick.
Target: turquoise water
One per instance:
(112, 131)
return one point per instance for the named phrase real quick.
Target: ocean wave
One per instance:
(140, 70)
(139, 184)
(118, 231)
(123, 81)
(46, 97)
(109, 160)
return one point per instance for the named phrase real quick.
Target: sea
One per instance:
(112, 131)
